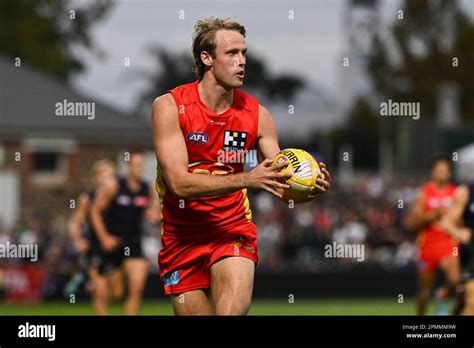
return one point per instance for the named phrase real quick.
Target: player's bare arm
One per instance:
(77, 219)
(152, 212)
(452, 223)
(103, 199)
(417, 218)
(172, 158)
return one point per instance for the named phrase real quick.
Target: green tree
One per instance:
(43, 32)
(434, 45)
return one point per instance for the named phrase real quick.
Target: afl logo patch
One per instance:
(198, 137)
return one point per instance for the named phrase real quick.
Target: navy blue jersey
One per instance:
(125, 214)
(467, 251)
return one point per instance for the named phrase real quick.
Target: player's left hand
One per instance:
(323, 181)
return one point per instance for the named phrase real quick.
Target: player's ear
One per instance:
(206, 58)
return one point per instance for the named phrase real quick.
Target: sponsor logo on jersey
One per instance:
(171, 278)
(140, 201)
(198, 137)
(124, 200)
(234, 140)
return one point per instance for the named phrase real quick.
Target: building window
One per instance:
(45, 162)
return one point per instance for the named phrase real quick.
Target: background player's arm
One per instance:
(103, 199)
(74, 224)
(417, 217)
(152, 213)
(452, 223)
(268, 148)
(172, 156)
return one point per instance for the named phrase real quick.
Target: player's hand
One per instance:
(110, 243)
(81, 245)
(267, 176)
(465, 235)
(323, 181)
(434, 215)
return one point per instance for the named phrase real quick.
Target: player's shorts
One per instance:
(114, 260)
(185, 263)
(430, 257)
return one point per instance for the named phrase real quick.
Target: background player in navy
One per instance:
(87, 245)
(460, 224)
(127, 202)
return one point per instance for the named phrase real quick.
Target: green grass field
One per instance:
(259, 307)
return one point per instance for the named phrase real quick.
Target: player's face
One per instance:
(136, 165)
(441, 172)
(104, 174)
(228, 64)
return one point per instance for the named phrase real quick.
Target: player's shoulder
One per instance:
(246, 100)
(164, 102)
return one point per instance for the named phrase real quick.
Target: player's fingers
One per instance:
(275, 183)
(280, 165)
(327, 176)
(272, 191)
(326, 185)
(279, 175)
(267, 162)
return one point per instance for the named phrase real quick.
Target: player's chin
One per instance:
(238, 81)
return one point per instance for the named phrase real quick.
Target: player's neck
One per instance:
(439, 184)
(133, 183)
(214, 96)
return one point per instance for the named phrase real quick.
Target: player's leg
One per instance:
(425, 284)
(468, 308)
(115, 284)
(136, 272)
(452, 273)
(232, 285)
(99, 291)
(194, 302)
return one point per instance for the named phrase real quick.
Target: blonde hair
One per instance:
(102, 164)
(204, 39)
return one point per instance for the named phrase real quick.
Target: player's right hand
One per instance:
(267, 176)
(81, 245)
(110, 243)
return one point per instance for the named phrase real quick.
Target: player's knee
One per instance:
(116, 294)
(236, 305)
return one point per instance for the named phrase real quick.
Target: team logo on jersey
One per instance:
(198, 137)
(171, 278)
(234, 140)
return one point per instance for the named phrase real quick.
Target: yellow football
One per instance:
(305, 172)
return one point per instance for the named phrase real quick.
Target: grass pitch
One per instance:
(258, 307)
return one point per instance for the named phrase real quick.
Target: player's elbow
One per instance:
(178, 187)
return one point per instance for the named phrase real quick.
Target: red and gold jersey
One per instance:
(216, 144)
(434, 198)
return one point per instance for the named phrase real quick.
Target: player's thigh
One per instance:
(194, 302)
(115, 283)
(232, 284)
(136, 270)
(451, 269)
